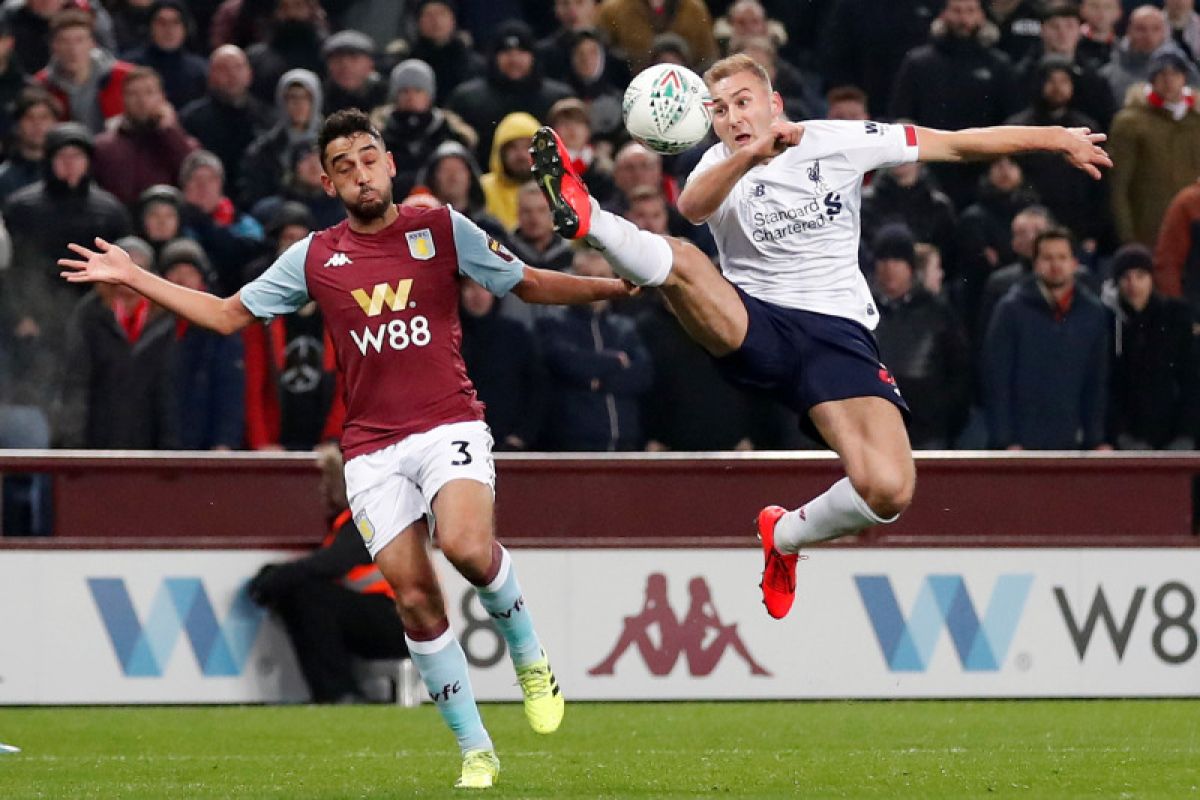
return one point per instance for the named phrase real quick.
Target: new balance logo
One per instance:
(338, 260)
(180, 606)
(943, 601)
(383, 295)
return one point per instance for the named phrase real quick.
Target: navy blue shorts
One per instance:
(803, 358)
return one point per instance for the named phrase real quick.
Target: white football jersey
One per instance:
(788, 232)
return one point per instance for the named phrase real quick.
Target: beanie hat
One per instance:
(136, 244)
(197, 159)
(67, 134)
(186, 251)
(513, 35)
(450, 4)
(895, 242)
(1131, 256)
(160, 193)
(1166, 57)
(348, 41)
(290, 213)
(412, 73)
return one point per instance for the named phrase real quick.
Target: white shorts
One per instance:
(392, 488)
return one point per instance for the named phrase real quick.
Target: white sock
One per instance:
(838, 512)
(638, 256)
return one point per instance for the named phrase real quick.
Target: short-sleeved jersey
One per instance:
(390, 300)
(789, 231)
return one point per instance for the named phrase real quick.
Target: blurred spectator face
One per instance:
(360, 173)
(1054, 263)
(1060, 35)
(187, 275)
(533, 215)
(574, 15)
(70, 165)
(1147, 29)
(34, 125)
(963, 18)
(204, 189)
(299, 105)
(167, 29)
(294, 11)
(436, 23)
(906, 174)
(743, 107)
(650, 214)
(516, 159)
(229, 73)
(1101, 16)
(160, 221)
(590, 264)
(894, 277)
(929, 267)
(144, 100)
(1025, 230)
(636, 166)
(476, 300)
(1005, 174)
(748, 18)
(71, 49)
(1169, 84)
(289, 235)
(1178, 8)
(413, 101)
(575, 133)
(1136, 286)
(514, 63)
(1058, 89)
(763, 54)
(847, 109)
(308, 170)
(587, 59)
(350, 70)
(451, 181)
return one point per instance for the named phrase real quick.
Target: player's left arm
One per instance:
(1080, 146)
(547, 287)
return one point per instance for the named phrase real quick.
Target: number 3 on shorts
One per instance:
(466, 455)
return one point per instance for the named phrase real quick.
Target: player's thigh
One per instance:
(457, 475)
(407, 566)
(706, 305)
(869, 435)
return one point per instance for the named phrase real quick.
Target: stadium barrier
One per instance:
(629, 567)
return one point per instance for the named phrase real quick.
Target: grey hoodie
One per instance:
(83, 97)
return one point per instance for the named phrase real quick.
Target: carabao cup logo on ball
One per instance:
(666, 108)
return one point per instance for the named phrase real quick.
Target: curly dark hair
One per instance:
(346, 122)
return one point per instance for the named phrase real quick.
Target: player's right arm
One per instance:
(706, 190)
(111, 264)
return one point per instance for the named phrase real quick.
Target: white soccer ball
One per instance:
(666, 108)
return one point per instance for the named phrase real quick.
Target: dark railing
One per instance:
(246, 500)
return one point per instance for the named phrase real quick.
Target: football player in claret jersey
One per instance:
(416, 446)
(791, 314)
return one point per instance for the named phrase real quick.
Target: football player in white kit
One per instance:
(790, 312)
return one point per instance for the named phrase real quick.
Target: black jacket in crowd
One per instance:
(594, 398)
(227, 129)
(412, 139)
(1155, 397)
(924, 346)
(922, 207)
(507, 370)
(453, 63)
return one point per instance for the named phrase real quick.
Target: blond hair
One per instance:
(734, 64)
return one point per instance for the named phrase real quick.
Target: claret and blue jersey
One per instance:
(390, 300)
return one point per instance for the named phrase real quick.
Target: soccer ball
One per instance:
(666, 108)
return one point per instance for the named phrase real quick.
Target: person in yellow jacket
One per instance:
(508, 166)
(334, 602)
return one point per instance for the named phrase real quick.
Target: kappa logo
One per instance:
(420, 244)
(382, 294)
(338, 260)
(701, 637)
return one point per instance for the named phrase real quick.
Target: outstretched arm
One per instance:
(111, 264)
(548, 287)
(1079, 146)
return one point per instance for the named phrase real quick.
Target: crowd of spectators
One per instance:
(1022, 304)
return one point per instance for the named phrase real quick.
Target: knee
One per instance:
(419, 606)
(468, 549)
(887, 492)
(686, 261)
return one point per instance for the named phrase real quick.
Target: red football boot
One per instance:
(561, 184)
(779, 569)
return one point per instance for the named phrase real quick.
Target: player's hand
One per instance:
(776, 139)
(107, 264)
(1082, 149)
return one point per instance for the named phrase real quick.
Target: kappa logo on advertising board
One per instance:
(181, 605)
(943, 601)
(678, 637)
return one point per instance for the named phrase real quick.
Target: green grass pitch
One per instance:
(917, 749)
